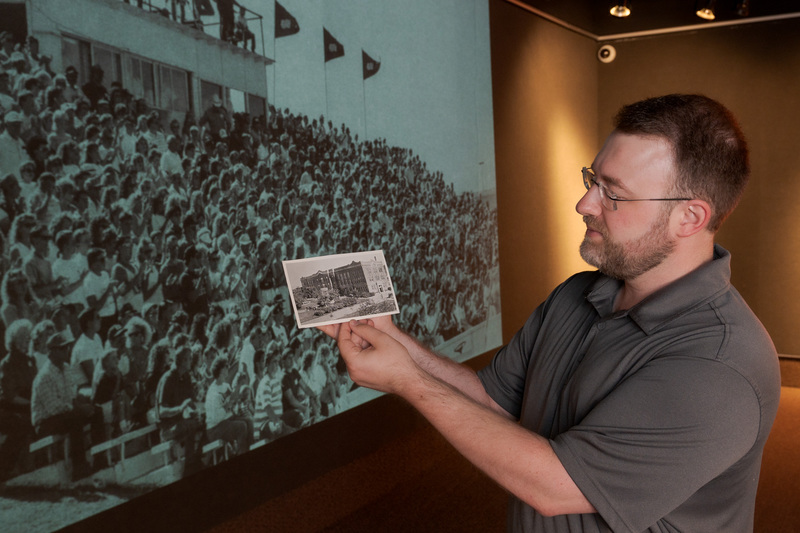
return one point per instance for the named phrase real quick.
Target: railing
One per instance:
(188, 13)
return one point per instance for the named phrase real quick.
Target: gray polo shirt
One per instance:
(658, 413)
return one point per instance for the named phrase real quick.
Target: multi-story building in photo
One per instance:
(359, 277)
(322, 280)
(362, 277)
(176, 68)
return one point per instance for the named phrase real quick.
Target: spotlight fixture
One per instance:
(743, 9)
(707, 10)
(621, 9)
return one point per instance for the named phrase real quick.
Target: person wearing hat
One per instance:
(215, 119)
(171, 160)
(12, 147)
(44, 202)
(10, 203)
(195, 282)
(38, 267)
(126, 138)
(99, 290)
(57, 409)
(7, 101)
(18, 67)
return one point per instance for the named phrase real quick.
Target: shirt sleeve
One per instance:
(659, 437)
(504, 377)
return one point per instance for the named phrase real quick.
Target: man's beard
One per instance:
(631, 260)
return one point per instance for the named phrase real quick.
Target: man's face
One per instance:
(184, 365)
(635, 238)
(14, 129)
(27, 104)
(59, 355)
(40, 244)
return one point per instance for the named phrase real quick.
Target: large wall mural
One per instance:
(151, 190)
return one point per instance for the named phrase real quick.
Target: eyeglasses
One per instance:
(609, 200)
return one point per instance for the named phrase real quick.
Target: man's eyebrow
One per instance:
(613, 182)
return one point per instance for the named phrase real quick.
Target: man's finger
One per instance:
(368, 333)
(331, 330)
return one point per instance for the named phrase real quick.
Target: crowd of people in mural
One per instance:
(141, 262)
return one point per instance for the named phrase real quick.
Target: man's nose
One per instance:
(589, 204)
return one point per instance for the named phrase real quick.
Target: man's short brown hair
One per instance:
(710, 151)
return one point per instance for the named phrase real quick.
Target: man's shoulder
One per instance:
(168, 376)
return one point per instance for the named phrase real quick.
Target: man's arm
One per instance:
(455, 374)
(521, 461)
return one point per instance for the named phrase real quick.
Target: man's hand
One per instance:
(374, 359)
(333, 330)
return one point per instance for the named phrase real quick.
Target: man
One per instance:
(38, 267)
(94, 90)
(12, 146)
(6, 46)
(87, 351)
(7, 101)
(17, 372)
(226, 19)
(99, 290)
(635, 398)
(215, 119)
(56, 408)
(269, 400)
(178, 417)
(171, 160)
(72, 91)
(194, 282)
(29, 112)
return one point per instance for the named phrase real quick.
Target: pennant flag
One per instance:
(333, 48)
(285, 23)
(371, 66)
(204, 8)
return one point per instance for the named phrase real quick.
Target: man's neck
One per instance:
(673, 268)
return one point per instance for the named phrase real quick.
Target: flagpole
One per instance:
(364, 100)
(326, 89)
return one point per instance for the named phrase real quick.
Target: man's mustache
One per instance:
(593, 224)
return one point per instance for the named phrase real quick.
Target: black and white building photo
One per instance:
(338, 288)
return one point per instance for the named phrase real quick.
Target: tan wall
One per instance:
(550, 92)
(755, 71)
(544, 83)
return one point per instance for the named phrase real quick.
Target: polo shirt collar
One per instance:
(677, 298)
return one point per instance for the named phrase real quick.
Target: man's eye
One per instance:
(607, 192)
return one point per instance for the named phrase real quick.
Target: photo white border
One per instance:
(295, 269)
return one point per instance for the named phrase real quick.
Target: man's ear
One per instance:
(694, 216)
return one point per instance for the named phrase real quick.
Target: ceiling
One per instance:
(592, 16)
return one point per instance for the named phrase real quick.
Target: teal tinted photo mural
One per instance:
(159, 160)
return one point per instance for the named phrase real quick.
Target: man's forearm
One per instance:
(451, 372)
(519, 460)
